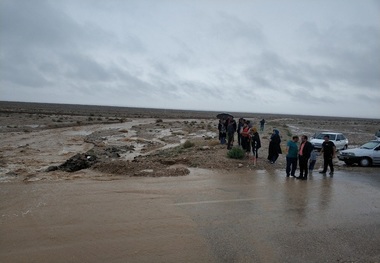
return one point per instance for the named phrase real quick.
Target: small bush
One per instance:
(236, 153)
(188, 144)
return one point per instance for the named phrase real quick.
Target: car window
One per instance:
(321, 135)
(369, 145)
(342, 136)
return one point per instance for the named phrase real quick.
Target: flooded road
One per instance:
(255, 216)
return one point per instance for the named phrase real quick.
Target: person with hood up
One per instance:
(274, 146)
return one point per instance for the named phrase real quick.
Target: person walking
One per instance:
(274, 146)
(303, 156)
(328, 150)
(262, 123)
(291, 156)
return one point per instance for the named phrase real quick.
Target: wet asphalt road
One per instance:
(271, 218)
(251, 216)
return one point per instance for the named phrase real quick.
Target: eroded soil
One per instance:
(35, 138)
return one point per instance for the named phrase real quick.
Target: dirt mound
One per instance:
(135, 168)
(77, 162)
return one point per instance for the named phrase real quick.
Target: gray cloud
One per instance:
(214, 55)
(350, 55)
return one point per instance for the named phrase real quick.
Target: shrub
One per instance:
(236, 153)
(188, 144)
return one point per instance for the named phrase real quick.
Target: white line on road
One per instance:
(218, 201)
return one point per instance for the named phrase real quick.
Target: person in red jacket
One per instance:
(245, 142)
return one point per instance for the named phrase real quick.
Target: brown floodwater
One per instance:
(207, 216)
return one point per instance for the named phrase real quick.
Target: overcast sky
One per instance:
(313, 57)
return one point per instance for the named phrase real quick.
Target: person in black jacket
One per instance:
(328, 150)
(238, 130)
(304, 153)
(255, 141)
(274, 146)
(222, 127)
(231, 128)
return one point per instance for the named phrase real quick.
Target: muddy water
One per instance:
(29, 154)
(255, 216)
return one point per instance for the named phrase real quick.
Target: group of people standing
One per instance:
(247, 135)
(304, 152)
(301, 155)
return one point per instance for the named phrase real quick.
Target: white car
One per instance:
(366, 155)
(340, 141)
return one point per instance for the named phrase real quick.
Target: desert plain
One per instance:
(140, 142)
(52, 210)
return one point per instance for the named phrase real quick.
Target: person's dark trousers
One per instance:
(312, 164)
(327, 161)
(239, 138)
(303, 166)
(230, 137)
(273, 158)
(255, 151)
(291, 166)
(244, 142)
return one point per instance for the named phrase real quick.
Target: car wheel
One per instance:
(365, 162)
(345, 147)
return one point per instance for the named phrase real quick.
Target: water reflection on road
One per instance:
(262, 216)
(207, 216)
